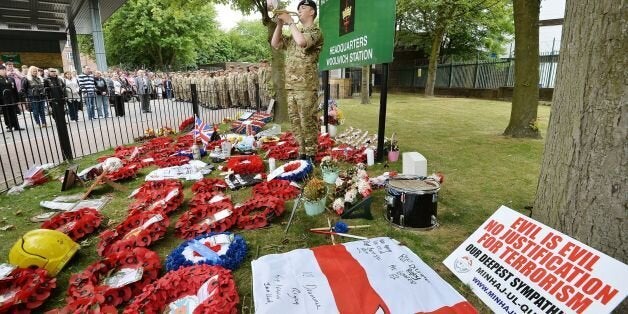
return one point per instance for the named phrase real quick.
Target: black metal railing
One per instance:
(116, 120)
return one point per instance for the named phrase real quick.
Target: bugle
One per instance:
(274, 11)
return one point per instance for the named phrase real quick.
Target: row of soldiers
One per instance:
(231, 88)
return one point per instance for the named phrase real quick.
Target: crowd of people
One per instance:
(94, 92)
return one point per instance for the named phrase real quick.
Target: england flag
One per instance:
(377, 275)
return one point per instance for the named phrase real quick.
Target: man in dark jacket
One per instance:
(8, 100)
(55, 91)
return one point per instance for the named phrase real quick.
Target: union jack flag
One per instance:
(202, 130)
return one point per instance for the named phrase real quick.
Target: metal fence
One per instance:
(487, 74)
(69, 135)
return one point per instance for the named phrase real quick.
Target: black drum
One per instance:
(411, 201)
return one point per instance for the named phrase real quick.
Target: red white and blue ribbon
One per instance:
(222, 249)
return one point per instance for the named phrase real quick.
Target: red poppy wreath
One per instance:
(139, 230)
(76, 224)
(206, 289)
(113, 280)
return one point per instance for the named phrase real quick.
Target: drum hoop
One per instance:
(399, 190)
(412, 229)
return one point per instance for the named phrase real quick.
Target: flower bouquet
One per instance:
(391, 147)
(329, 166)
(352, 191)
(335, 117)
(314, 196)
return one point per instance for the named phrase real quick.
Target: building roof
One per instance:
(52, 15)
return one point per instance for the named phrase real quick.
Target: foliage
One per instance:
(314, 189)
(329, 164)
(249, 41)
(159, 33)
(86, 45)
(468, 26)
(391, 144)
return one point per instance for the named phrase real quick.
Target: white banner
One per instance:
(371, 276)
(518, 265)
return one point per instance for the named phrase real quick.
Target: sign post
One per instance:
(358, 33)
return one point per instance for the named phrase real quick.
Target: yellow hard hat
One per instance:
(45, 248)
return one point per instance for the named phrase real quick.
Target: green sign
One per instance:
(15, 58)
(356, 32)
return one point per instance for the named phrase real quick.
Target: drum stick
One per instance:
(333, 241)
(350, 227)
(341, 234)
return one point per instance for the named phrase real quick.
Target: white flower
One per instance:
(362, 174)
(364, 188)
(351, 196)
(339, 182)
(338, 205)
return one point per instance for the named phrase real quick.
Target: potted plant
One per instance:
(392, 147)
(335, 118)
(329, 167)
(314, 196)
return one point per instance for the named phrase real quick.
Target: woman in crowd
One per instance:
(158, 86)
(33, 88)
(118, 90)
(102, 101)
(72, 95)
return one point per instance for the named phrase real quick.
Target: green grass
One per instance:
(459, 137)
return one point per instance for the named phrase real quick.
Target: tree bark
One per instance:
(278, 66)
(582, 185)
(525, 98)
(433, 63)
(365, 85)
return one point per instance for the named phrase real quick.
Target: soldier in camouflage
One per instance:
(264, 83)
(231, 86)
(223, 96)
(251, 80)
(303, 47)
(242, 87)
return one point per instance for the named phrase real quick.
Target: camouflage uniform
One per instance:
(252, 88)
(242, 87)
(302, 87)
(231, 86)
(221, 90)
(213, 92)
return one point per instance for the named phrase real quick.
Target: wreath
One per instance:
(124, 151)
(162, 152)
(258, 211)
(184, 142)
(295, 170)
(25, 289)
(126, 172)
(252, 164)
(96, 287)
(171, 161)
(187, 125)
(76, 224)
(138, 230)
(204, 198)
(325, 142)
(221, 249)
(156, 144)
(158, 196)
(186, 282)
(281, 189)
(209, 184)
(202, 219)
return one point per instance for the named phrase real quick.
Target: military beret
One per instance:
(309, 3)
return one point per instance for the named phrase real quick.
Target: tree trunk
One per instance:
(365, 85)
(525, 98)
(433, 64)
(279, 83)
(582, 185)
